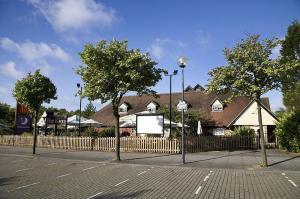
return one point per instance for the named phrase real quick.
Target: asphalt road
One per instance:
(25, 176)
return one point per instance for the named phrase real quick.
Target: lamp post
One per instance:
(170, 103)
(182, 62)
(79, 130)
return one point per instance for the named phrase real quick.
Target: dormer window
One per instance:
(217, 106)
(123, 108)
(152, 107)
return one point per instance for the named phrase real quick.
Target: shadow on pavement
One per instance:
(8, 180)
(223, 156)
(147, 157)
(286, 160)
(119, 195)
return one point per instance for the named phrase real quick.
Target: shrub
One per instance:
(288, 131)
(90, 132)
(26, 134)
(108, 132)
(243, 131)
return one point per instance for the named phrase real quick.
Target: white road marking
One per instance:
(210, 171)
(121, 182)
(286, 177)
(283, 174)
(51, 164)
(27, 185)
(197, 191)
(95, 195)
(206, 178)
(88, 168)
(292, 182)
(142, 173)
(23, 170)
(64, 175)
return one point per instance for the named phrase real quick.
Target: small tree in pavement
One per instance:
(32, 91)
(111, 71)
(250, 72)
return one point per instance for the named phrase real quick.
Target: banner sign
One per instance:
(23, 118)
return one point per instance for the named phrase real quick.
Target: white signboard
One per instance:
(181, 105)
(150, 124)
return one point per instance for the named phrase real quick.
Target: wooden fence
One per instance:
(136, 144)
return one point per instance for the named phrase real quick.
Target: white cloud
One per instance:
(9, 69)
(31, 51)
(35, 54)
(276, 52)
(79, 15)
(163, 47)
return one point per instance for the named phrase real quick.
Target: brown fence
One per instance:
(221, 143)
(137, 144)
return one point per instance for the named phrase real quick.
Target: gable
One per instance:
(250, 116)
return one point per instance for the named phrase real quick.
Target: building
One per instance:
(220, 117)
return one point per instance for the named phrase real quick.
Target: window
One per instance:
(218, 131)
(217, 106)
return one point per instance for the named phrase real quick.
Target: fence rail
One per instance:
(136, 144)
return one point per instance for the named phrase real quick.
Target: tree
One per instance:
(7, 114)
(112, 70)
(249, 72)
(89, 110)
(291, 51)
(32, 91)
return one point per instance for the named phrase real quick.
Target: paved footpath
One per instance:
(70, 174)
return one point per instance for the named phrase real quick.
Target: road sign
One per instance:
(182, 105)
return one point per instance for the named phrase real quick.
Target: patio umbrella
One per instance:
(91, 123)
(74, 120)
(199, 129)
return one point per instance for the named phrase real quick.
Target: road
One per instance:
(26, 176)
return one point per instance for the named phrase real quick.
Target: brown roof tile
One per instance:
(199, 101)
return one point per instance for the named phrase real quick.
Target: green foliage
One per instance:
(6, 131)
(7, 115)
(243, 131)
(290, 51)
(249, 70)
(33, 90)
(26, 134)
(108, 132)
(90, 132)
(288, 131)
(89, 110)
(112, 70)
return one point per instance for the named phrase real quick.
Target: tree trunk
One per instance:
(35, 131)
(117, 136)
(262, 135)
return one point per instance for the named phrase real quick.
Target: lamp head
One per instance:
(182, 62)
(78, 85)
(175, 72)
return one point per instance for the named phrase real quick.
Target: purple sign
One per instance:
(23, 123)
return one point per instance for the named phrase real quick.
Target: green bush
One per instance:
(6, 131)
(108, 132)
(288, 131)
(26, 134)
(243, 131)
(90, 132)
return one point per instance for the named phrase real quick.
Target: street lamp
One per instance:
(182, 62)
(80, 93)
(170, 103)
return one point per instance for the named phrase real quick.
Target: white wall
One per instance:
(250, 117)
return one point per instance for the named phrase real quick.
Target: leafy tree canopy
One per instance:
(111, 70)
(33, 90)
(291, 51)
(7, 114)
(249, 71)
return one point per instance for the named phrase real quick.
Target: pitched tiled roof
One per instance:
(199, 101)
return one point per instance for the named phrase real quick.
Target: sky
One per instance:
(49, 34)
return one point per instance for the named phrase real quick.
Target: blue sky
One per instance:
(49, 35)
